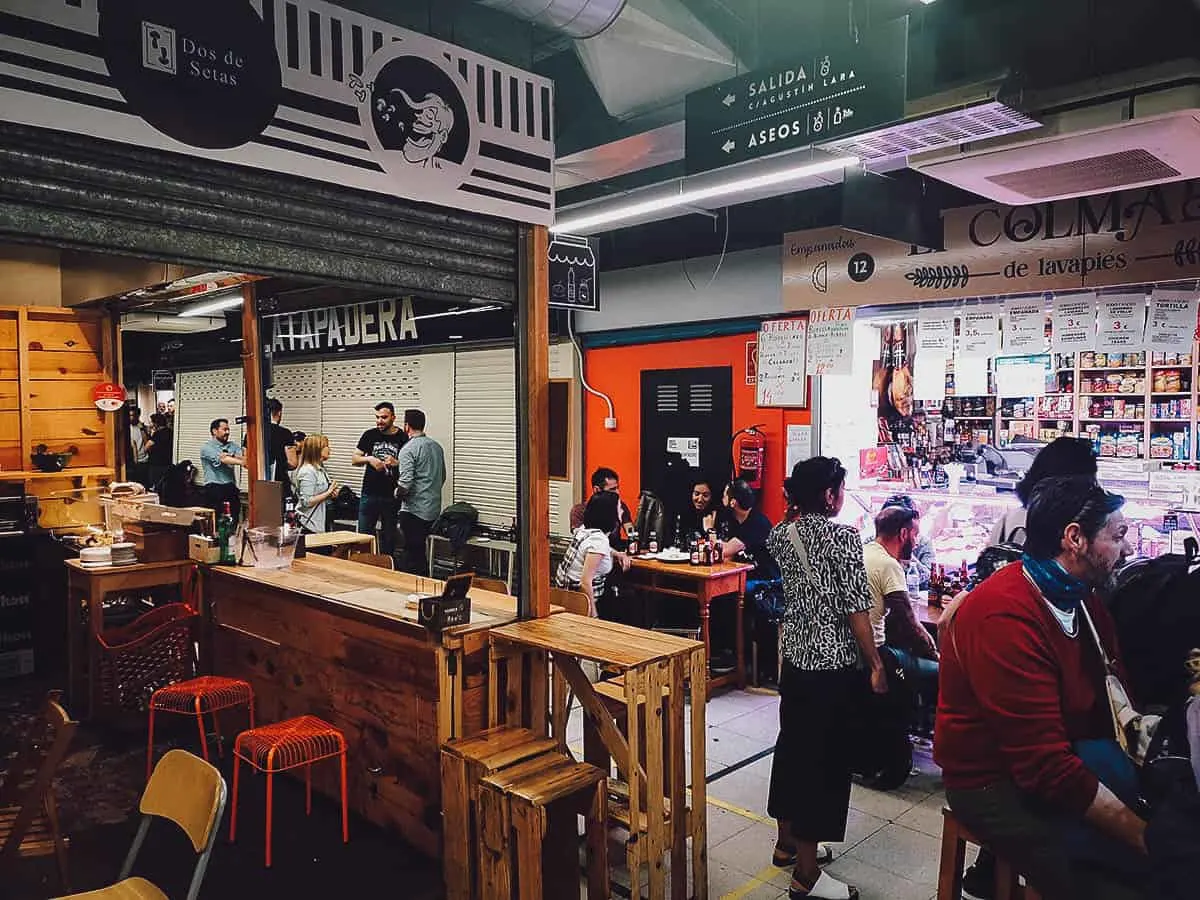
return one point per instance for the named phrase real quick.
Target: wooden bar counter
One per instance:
(334, 638)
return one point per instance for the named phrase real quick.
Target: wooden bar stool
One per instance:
(465, 763)
(955, 838)
(528, 833)
(285, 745)
(208, 694)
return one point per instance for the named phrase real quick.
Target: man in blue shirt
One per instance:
(422, 473)
(217, 458)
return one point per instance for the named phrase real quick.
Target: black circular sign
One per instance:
(861, 267)
(204, 73)
(417, 110)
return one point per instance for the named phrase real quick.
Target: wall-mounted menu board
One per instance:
(782, 349)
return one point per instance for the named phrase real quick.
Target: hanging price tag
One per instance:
(1122, 323)
(1073, 323)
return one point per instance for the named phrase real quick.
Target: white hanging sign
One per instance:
(1172, 323)
(935, 332)
(782, 348)
(1073, 324)
(1022, 376)
(929, 377)
(1025, 326)
(831, 341)
(1121, 324)
(979, 333)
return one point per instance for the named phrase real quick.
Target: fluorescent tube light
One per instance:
(219, 303)
(618, 213)
(457, 312)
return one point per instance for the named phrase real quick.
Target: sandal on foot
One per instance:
(786, 859)
(826, 888)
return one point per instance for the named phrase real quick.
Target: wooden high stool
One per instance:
(206, 695)
(955, 838)
(285, 745)
(529, 835)
(465, 763)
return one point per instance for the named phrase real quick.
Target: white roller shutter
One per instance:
(201, 397)
(485, 433)
(298, 388)
(349, 391)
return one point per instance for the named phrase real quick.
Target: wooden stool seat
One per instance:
(465, 763)
(206, 695)
(955, 837)
(289, 744)
(524, 844)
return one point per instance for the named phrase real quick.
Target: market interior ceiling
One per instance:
(619, 95)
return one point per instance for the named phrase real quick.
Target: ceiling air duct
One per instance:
(579, 19)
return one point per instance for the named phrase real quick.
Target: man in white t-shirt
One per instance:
(897, 530)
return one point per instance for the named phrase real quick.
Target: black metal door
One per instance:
(685, 405)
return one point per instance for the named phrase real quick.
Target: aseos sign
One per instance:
(300, 87)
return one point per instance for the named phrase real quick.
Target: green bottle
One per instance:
(224, 533)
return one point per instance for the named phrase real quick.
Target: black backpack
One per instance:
(1156, 608)
(457, 523)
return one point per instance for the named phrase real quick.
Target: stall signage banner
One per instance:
(935, 332)
(1172, 323)
(1111, 240)
(831, 341)
(303, 88)
(1073, 324)
(979, 333)
(573, 282)
(811, 99)
(1025, 326)
(1121, 323)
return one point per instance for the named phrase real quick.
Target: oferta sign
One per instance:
(846, 88)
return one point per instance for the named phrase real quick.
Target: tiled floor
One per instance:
(892, 840)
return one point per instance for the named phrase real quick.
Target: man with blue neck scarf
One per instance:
(1024, 729)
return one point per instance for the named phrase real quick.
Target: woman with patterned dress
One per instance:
(830, 663)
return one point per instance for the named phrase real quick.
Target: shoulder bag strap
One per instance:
(793, 534)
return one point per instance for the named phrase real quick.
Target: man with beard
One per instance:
(897, 531)
(1024, 728)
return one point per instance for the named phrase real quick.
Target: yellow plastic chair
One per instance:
(189, 792)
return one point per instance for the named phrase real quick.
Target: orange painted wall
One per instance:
(617, 371)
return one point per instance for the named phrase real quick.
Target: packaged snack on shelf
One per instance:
(1162, 447)
(1108, 445)
(1127, 446)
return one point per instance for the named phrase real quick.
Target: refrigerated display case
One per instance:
(960, 525)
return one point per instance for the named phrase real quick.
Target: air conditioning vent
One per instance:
(1096, 175)
(1121, 156)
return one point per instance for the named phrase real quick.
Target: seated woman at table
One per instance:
(700, 515)
(315, 490)
(589, 559)
(830, 663)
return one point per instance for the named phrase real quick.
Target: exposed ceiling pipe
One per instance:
(579, 19)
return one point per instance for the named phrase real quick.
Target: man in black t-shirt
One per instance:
(281, 448)
(744, 529)
(378, 450)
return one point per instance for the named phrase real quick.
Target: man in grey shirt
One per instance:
(422, 472)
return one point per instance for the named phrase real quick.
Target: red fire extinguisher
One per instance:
(750, 456)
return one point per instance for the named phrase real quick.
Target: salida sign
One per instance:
(1112, 240)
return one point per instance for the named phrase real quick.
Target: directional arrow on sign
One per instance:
(729, 100)
(729, 146)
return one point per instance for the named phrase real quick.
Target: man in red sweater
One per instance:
(1022, 694)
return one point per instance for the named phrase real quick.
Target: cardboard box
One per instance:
(157, 543)
(203, 550)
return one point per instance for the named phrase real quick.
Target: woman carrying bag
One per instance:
(830, 665)
(314, 488)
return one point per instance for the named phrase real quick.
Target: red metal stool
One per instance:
(285, 745)
(195, 697)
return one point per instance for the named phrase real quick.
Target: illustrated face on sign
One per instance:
(430, 128)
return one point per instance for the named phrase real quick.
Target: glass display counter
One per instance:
(960, 525)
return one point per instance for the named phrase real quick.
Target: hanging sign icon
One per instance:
(573, 273)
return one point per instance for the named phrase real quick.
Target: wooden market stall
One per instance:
(337, 639)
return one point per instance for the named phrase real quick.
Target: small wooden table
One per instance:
(86, 590)
(651, 664)
(703, 584)
(342, 543)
